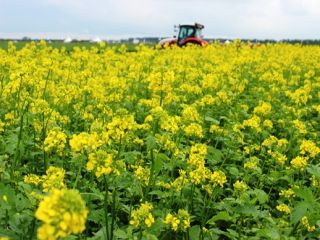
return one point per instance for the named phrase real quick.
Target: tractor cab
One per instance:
(187, 34)
(189, 31)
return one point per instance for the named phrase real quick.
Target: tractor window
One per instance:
(183, 33)
(190, 32)
(186, 32)
(198, 33)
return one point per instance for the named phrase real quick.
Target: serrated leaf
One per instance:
(120, 234)
(261, 196)
(96, 216)
(314, 170)
(21, 202)
(270, 233)
(298, 211)
(159, 161)
(249, 210)
(214, 155)
(233, 170)
(151, 142)
(306, 194)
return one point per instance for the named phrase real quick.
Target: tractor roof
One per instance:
(196, 25)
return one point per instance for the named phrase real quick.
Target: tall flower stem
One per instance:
(106, 206)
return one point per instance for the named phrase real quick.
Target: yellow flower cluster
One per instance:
(179, 221)
(252, 163)
(32, 178)
(194, 129)
(218, 178)
(85, 142)
(300, 96)
(300, 126)
(63, 212)
(299, 162)
(279, 157)
(55, 140)
(283, 208)
(287, 193)
(120, 126)
(197, 155)
(142, 174)
(309, 148)
(264, 108)
(142, 216)
(216, 129)
(54, 179)
(267, 123)
(253, 122)
(170, 123)
(101, 163)
(240, 186)
(190, 113)
(180, 181)
(306, 224)
(168, 144)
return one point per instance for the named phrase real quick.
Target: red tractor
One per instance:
(188, 34)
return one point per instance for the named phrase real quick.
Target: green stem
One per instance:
(31, 231)
(17, 154)
(45, 86)
(113, 211)
(203, 220)
(77, 178)
(191, 201)
(106, 207)
(150, 183)
(140, 233)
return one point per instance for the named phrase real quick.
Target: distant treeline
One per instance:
(155, 40)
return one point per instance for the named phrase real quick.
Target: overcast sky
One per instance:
(107, 19)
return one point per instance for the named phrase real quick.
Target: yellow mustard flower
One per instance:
(54, 179)
(299, 162)
(283, 208)
(63, 212)
(306, 224)
(142, 216)
(179, 221)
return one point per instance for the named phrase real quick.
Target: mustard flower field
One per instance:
(220, 142)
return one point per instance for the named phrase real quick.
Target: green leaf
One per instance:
(314, 170)
(299, 211)
(270, 233)
(120, 234)
(233, 170)
(220, 216)
(261, 196)
(212, 120)
(157, 227)
(248, 210)
(151, 142)
(159, 161)
(194, 232)
(214, 155)
(96, 216)
(21, 202)
(306, 194)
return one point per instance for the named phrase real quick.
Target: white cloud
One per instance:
(234, 18)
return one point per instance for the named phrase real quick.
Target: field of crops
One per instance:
(220, 142)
